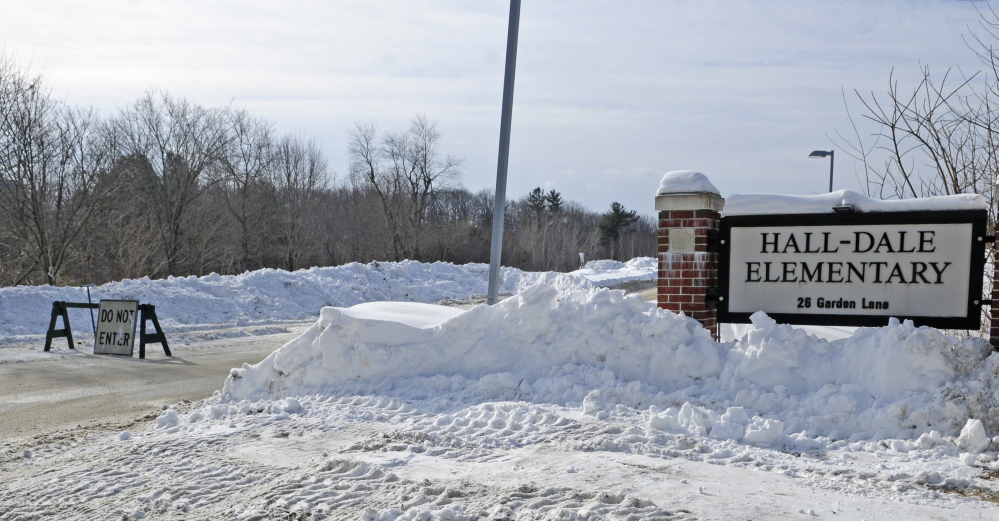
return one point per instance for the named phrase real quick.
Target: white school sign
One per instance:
(854, 268)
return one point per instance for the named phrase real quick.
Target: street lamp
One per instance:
(506, 117)
(824, 153)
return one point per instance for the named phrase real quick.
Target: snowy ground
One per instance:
(563, 402)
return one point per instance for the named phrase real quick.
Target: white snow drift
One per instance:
(602, 349)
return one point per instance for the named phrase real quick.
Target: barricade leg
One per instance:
(59, 310)
(148, 312)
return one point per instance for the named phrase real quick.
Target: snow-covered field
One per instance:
(564, 402)
(265, 296)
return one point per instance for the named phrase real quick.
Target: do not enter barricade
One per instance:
(115, 332)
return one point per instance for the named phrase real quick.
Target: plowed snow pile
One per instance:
(778, 386)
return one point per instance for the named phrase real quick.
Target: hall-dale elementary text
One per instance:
(856, 242)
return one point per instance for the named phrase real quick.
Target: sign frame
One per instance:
(971, 319)
(110, 327)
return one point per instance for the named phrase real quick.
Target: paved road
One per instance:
(37, 397)
(111, 392)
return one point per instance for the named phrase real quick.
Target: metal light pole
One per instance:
(824, 153)
(499, 203)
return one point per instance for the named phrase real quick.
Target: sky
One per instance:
(609, 95)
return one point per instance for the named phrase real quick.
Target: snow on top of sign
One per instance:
(685, 182)
(763, 204)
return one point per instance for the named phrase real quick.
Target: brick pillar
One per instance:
(687, 267)
(994, 314)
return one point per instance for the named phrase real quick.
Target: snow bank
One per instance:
(610, 272)
(603, 350)
(528, 337)
(763, 204)
(270, 294)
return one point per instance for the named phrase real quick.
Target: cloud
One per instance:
(615, 92)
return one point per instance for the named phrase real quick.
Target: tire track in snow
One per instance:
(178, 472)
(360, 457)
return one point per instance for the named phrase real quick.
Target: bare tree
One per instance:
(937, 137)
(416, 159)
(408, 172)
(246, 163)
(53, 175)
(927, 141)
(300, 173)
(367, 169)
(183, 144)
(115, 244)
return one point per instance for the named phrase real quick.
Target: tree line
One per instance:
(167, 187)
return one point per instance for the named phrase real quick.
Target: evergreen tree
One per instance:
(536, 202)
(553, 200)
(613, 223)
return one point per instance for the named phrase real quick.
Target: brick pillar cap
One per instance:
(687, 190)
(690, 201)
